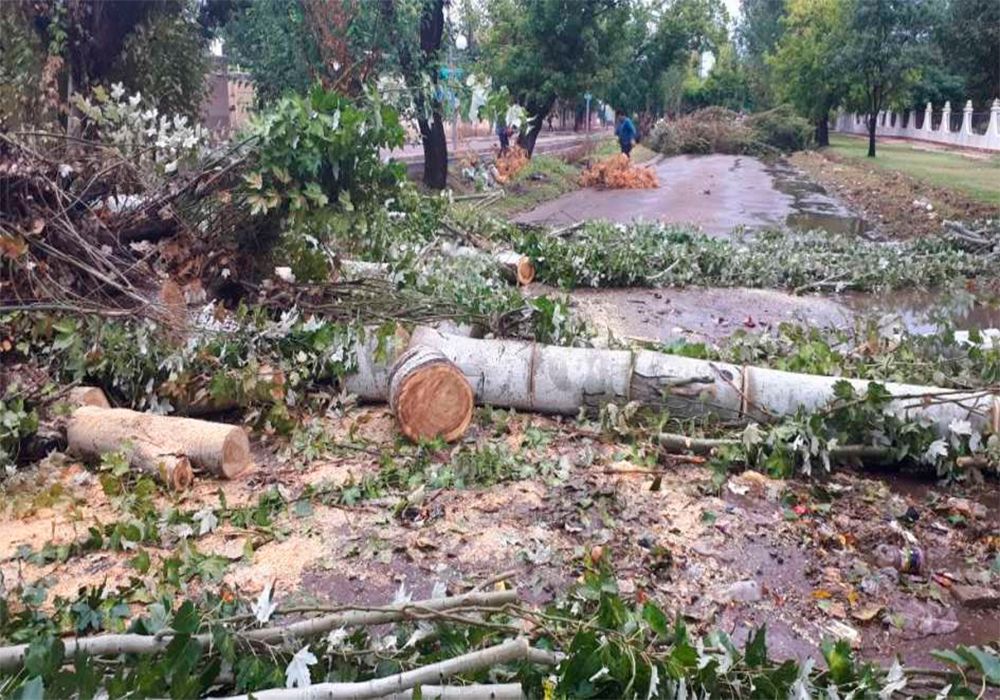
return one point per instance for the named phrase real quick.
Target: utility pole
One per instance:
(588, 97)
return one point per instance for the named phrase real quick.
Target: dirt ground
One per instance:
(795, 555)
(894, 203)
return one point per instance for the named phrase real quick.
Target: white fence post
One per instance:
(889, 123)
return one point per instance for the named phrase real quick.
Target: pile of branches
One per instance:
(85, 228)
(618, 173)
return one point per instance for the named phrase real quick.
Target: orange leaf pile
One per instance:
(618, 173)
(511, 162)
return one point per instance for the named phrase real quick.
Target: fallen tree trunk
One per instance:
(12, 657)
(549, 379)
(475, 691)
(87, 396)
(165, 446)
(508, 652)
(429, 395)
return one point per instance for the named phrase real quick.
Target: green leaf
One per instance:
(840, 661)
(186, 619)
(756, 651)
(656, 620)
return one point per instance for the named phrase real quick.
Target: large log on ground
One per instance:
(375, 358)
(549, 379)
(165, 446)
(430, 396)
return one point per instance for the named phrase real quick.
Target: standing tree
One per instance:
(888, 40)
(659, 37)
(804, 62)
(969, 39)
(759, 31)
(546, 49)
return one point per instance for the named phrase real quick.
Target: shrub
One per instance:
(781, 128)
(719, 130)
(710, 130)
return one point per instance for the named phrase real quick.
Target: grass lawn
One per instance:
(975, 177)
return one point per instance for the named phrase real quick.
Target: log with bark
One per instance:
(549, 379)
(429, 395)
(517, 268)
(163, 446)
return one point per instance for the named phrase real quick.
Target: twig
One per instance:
(12, 657)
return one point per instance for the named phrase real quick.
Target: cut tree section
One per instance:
(430, 396)
(218, 448)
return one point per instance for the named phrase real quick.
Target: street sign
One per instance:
(587, 96)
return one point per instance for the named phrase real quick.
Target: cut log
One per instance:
(515, 267)
(430, 396)
(87, 396)
(547, 379)
(518, 268)
(220, 449)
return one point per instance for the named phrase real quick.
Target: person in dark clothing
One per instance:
(503, 133)
(625, 131)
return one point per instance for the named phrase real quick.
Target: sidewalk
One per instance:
(548, 142)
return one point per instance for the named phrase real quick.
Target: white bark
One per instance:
(476, 691)
(508, 652)
(363, 270)
(371, 380)
(114, 644)
(547, 379)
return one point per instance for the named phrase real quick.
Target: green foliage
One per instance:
(270, 39)
(887, 42)
(968, 37)
(166, 58)
(804, 61)
(21, 61)
(318, 169)
(602, 254)
(221, 367)
(781, 128)
(718, 130)
(18, 420)
(544, 49)
(659, 37)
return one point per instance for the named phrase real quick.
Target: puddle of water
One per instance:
(812, 206)
(922, 312)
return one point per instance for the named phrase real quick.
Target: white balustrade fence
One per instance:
(938, 127)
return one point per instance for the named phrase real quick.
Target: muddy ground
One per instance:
(890, 201)
(794, 555)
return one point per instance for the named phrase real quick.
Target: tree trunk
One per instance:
(152, 440)
(549, 379)
(872, 125)
(429, 395)
(823, 131)
(435, 152)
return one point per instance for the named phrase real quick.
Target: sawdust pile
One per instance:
(618, 173)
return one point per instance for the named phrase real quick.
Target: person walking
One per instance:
(503, 133)
(625, 131)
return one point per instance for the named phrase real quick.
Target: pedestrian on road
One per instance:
(625, 131)
(503, 133)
